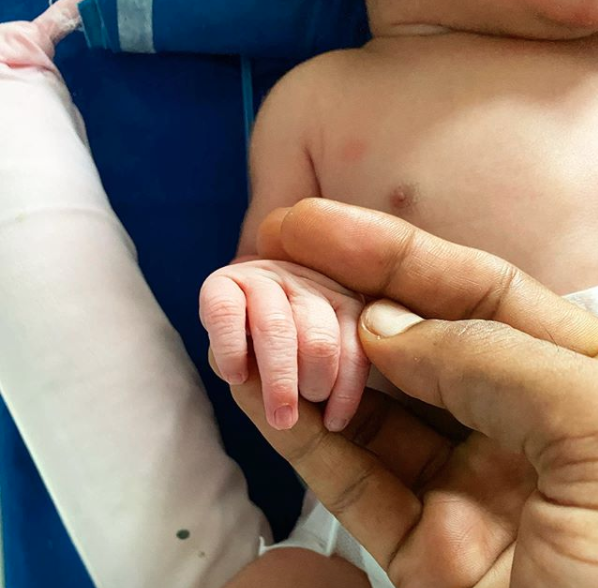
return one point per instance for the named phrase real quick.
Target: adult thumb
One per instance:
(523, 392)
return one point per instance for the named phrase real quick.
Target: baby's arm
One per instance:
(281, 167)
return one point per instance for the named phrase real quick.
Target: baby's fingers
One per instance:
(223, 310)
(274, 337)
(319, 340)
(353, 370)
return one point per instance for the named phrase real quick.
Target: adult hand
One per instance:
(517, 503)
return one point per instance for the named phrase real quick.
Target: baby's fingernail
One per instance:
(337, 425)
(388, 319)
(284, 417)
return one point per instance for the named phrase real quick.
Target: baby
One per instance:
(476, 121)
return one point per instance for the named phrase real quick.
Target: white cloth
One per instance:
(97, 380)
(587, 299)
(318, 530)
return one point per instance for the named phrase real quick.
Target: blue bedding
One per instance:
(293, 29)
(167, 133)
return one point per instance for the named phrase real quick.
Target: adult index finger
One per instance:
(386, 257)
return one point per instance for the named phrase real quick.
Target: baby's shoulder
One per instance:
(318, 78)
(301, 101)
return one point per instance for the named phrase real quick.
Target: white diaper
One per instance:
(318, 530)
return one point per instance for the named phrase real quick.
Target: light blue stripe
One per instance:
(135, 25)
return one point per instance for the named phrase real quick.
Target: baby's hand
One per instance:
(303, 328)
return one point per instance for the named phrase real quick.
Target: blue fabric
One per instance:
(167, 134)
(294, 29)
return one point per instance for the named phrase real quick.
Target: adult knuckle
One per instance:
(459, 554)
(311, 446)
(464, 352)
(398, 258)
(365, 430)
(354, 490)
(569, 467)
(472, 329)
(478, 334)
(490, 302)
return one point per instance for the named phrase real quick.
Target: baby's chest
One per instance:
(464, 131)
(468, 173)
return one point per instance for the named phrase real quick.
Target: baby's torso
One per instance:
(489, 142)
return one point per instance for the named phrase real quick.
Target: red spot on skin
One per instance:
(353, 151)
(402, 197)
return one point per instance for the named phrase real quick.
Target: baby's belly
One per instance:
(491, 143)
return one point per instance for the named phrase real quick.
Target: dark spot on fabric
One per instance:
(183, 534)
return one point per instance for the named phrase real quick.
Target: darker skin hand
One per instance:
(515, 505)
